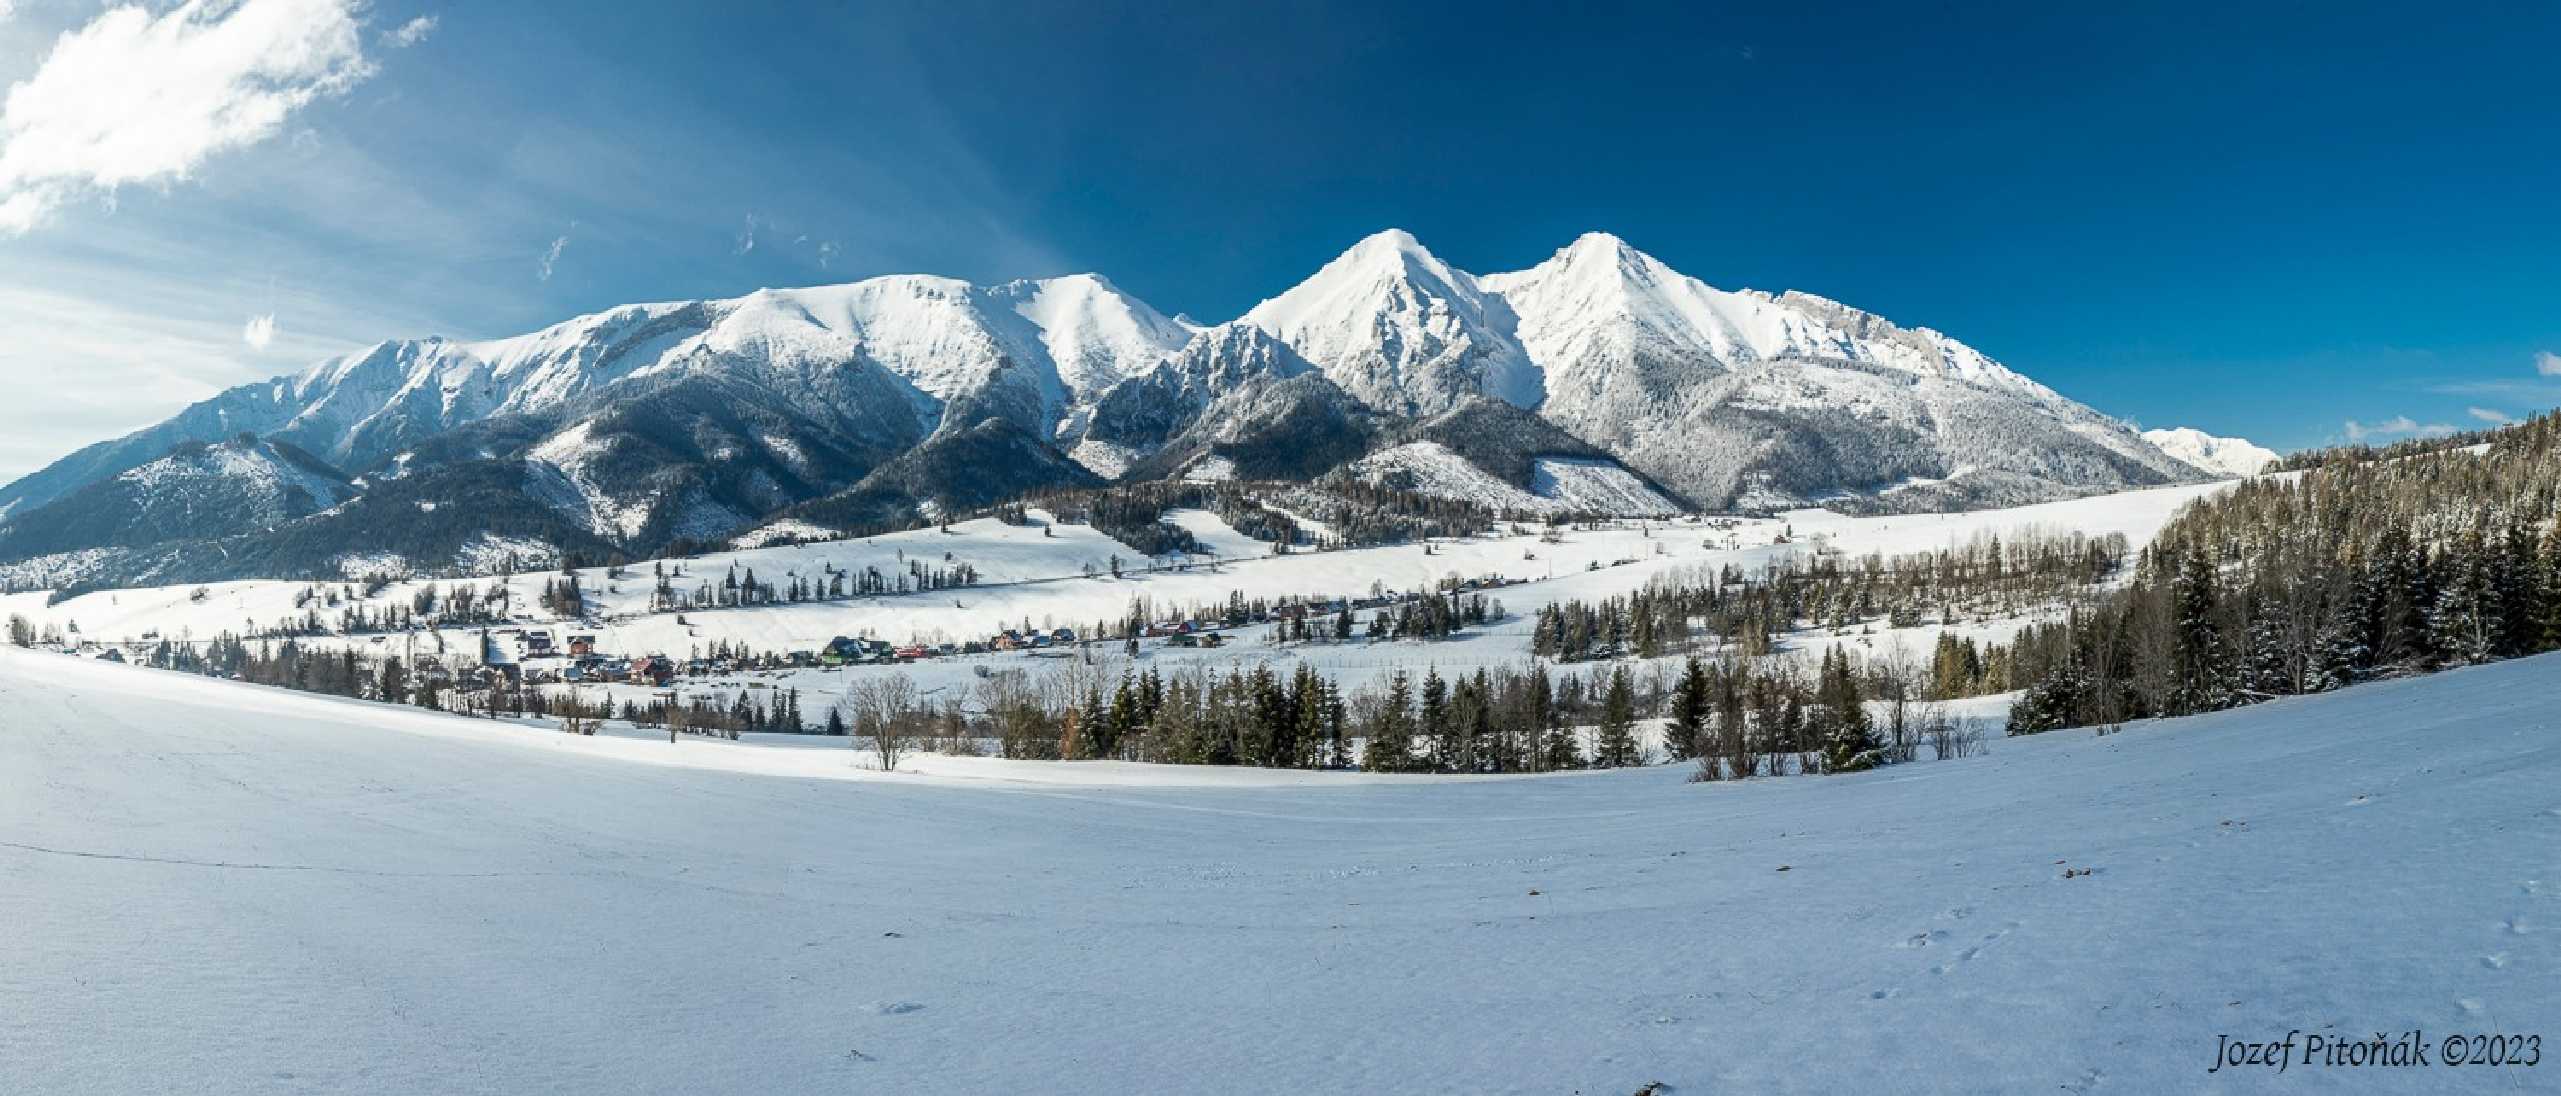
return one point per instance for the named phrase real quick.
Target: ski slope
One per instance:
(217, 888)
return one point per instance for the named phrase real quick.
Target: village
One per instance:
(533, 654)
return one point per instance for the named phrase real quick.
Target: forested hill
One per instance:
(2356, 568)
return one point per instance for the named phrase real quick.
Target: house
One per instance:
(579, 645)
(655, 670)
(500, 662)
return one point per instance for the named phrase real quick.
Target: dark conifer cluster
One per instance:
(2367, 565)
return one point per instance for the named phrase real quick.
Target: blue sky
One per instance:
(2237, 217)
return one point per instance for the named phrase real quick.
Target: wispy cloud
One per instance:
(551, 256)
(260, 331)
(410, 33)
(2396, 426)
(2490, 415)
(134, 98)
(826, 254)
(746, 237)
(2547, 363)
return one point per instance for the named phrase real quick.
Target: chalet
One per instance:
(656, 670)
(580, 646)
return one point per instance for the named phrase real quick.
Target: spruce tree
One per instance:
(1689, 713)
(1390, 748)
(1616, 745)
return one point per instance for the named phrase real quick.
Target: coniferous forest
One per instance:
(2369, 564)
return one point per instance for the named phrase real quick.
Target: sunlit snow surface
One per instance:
(213, 887)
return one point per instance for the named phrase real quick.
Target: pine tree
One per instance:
(2463, 622)
(1848, 738)
(1616, 745)
(1390, 748)
(2203, 664)
(1445, 739)
(1689, 713)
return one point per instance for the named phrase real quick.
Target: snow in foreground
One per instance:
(218, 888)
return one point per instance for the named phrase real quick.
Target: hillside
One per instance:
(545, 912)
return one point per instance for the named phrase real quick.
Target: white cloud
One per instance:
(2547, 363)
(410, 33)
(2490, 415)
(260, 331)
(134, 98)
(747, 238)
(551, 257)
(7, 8)
(826, 254)
(2396, 426)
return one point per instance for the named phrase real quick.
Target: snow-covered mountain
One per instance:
(243, 485)
(1732, 398)
(846, 356)
(1403, 331)
(2217, 456)
(1626, 384)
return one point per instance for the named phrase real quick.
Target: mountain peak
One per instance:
(1401, 330)
(2218, 455)
(1598, 245)
(1390, 241)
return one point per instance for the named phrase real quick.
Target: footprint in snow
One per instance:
(900, 1008)
(2495, 962)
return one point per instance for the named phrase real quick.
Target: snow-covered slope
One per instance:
(1027, 350)
(1731, 398)
(1560, 485)
(1403, 331)
(1745, 398)
(224, 488)
(389, 900)
(1225, 384)
(2218, 456)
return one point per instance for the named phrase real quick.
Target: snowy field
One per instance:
(1028, 578)
(212, 887)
